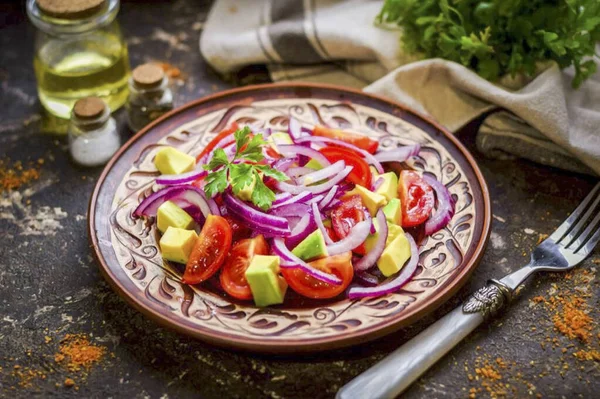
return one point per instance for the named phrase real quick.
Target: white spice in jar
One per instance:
(93, 136)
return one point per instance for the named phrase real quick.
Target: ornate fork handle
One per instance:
(488, 300)
(397, 371)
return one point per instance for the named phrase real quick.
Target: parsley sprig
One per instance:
(243, 170)
(498, 37)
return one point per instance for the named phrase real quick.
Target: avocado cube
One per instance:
(312, 247)
(314, 165)
(393, 211)
(245, 194)
(371, 200)
(279, 138)
(170, 215)
(177, 244)
(393, 232)
(263, 277)
(389, 187)
(170, 161)
(394, 256)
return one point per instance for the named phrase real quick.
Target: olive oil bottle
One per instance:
(79, 55)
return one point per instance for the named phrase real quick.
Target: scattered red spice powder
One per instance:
(15, 175)
(588, 355)
(572, 320)
(76, 352)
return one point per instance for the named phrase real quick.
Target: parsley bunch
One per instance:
(498, 37)
(242, 170)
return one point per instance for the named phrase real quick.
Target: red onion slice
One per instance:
(316, 199)
(290, 210)
(279, 198)
(179, 194)
(366, 155)
(290, 150)
(320, 225)
(139, 211)
(325, 173)
(334, 203)
(445, 206)
(172, 180)
(357, 236)
(305, 226)
(253, 216)
(367, 261)
(329, 197)
(298, 171)
(284, 164)
(394, 285)
(300, 198)
(377, 183)
(399, 154)
(366, 279)
(316, 189)
(294, 128)
(292, 261)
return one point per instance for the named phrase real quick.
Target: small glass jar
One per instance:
(93, 135)
(79, 52)
(150, 96)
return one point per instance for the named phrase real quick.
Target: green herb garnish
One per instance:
(498, 37)
(225, 172)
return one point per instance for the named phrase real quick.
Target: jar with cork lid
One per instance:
(93, 135)
(150, 95)
(79, 52)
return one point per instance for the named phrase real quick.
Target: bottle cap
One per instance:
(148, 76)
(69, 9)
(89, 108)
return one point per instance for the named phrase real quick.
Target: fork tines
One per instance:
(581, 231)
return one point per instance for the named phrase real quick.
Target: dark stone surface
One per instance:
(50, 285)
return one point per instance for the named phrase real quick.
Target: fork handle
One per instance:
(398, 370)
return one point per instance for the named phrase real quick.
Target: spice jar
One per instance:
(79, 52)
(93, 136)
(149, 95)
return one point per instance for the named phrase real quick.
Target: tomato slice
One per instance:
(348, 214)
(224, 133)
(361, 173)
(233, 277)
(239, 230)
(362, 142)
(308, 286)
(210, 250)
(331, 233)
(416, 197)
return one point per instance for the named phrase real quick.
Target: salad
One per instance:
(320, 211)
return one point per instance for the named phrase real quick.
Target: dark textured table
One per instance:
(50, 286)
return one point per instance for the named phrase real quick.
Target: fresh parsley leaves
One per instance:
(242, 171)
(498, 37)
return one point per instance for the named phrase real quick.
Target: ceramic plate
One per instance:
(127, 248)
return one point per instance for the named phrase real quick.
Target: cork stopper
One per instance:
(89, 108)
(70, 9)
(148, 75)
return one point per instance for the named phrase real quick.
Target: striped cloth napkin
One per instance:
(336, 41)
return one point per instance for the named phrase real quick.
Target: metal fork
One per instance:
(570, 244)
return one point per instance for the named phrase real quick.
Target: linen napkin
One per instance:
(336, 41)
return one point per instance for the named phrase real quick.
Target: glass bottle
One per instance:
(149, 95)
(79, 52)
(93, 135)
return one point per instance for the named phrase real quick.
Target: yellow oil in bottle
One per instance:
(67, 70)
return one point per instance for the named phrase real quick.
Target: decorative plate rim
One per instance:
(307, 344)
